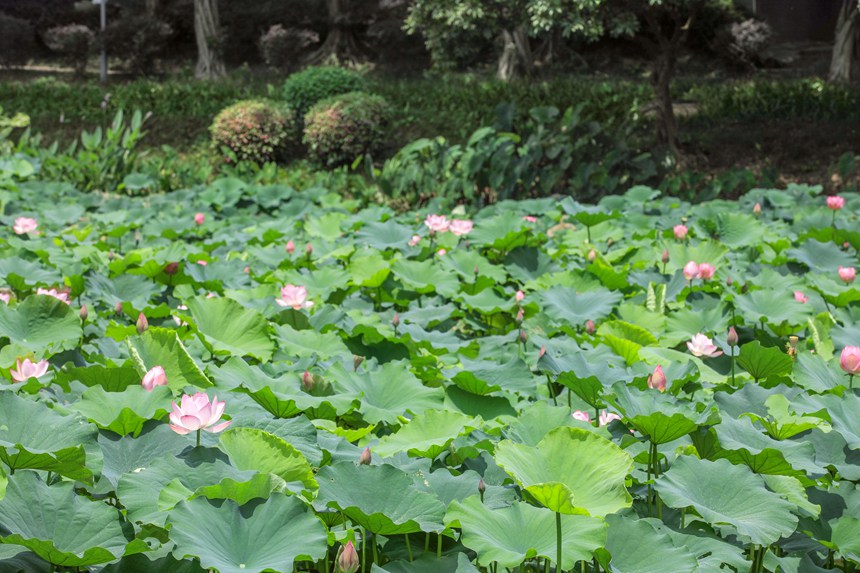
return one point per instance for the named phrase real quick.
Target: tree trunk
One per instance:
(661, 78)
(846, 38)
(340, 46)
(516, 58)
(207, 29)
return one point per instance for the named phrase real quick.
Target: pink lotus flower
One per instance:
(197, 413)
(606, 417)
(519, 296)
(202, 263)
(835, 202)
(581, 416)
(757, 209)
(155, 377)
(25, 370)
(5, 296)
(24, 225)
(680, 232)
(530, 219)
(460, 227)
(847, 274)
(199, 218)
(706, 271)
(701, 345)
(800, 297)
(347, 559)
(849, 360)
(441, 252)
(437, 223)
(414, 240)
(691, 270)
(291, 247)
(657, 380)
(295, 297)
(57, 294)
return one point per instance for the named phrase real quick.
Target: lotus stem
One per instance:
(326, 565)
(439, 546)
(427, 542)
(375, 551)
(550, 390)
(558, 541)
(850, 381)
(198, 438)
(408, 548)
(363, 545)
(587, 234)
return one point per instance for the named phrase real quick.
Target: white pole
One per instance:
(103, 56)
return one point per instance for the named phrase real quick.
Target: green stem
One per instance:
(588, 233)
(850, 381)
(439, 546)
(683, 512)
(408, 548)
(198, 438)
(558, 541)
(375, 551)
(426, 543)
(363, 546)
(569, 400)
(550, 390)
(326, 565)
(732, 358)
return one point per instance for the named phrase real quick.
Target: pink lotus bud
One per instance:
(365, 457)
(732, 336)
(542, 352)
(247, 270)
(118, 308)
(307, 381)
(309, 249)
(291, 247)
(847, 274)
(395, 321)
(476, 270)
(665, 257)
(347, 559)
(728, 281)
(800, 297)
(680, 232)
(519, 296)
(414, 240)
(199, 218)
(523, 336)
(155, 377)
(530, 219)
(142, 323)
(84, 312)
(706, 271)
(849, 360)
(171, 268)
(356, 362)
(835, 202)
(202, 263)
(589, 327)
(757, 209)
(591, 256)
(482, 487)
(691, 270)
(581, 416)
(519, 317)
(441, 252)
(657, 380)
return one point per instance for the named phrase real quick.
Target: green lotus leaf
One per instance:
(162, 347)
(427, 434)
(761, 362)
(40, 322)
(231, 329)
(626, 539)
(846, 536)
(425, 277)
(565, 305)
(658, 415)
(124, 412)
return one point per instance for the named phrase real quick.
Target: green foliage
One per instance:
(73, 42)
(259, 131)
(340, 129)
(138, 40)
(17, 41)
(304, 89)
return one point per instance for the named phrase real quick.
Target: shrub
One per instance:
(139, 41)
(741, 43)
(256, 130)
(17, 42)
(342, 128)
(73, 42)
(303, 89)
(282, 47)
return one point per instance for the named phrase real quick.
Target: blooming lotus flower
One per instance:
(155, 377)
(680, 232)
(437, 223)
(197, 413)
(460, 227)
(442, 252)
(57, 294)
(5, 296)
(199, 218)
(800, 297)
(24, 225)
(414, 240)
(519, 296)
(691, 270)
(849, 360)
(835, 202)
(701, 345)
(347, 559)
(706, 271)
(25, 370)
(202, 263)
(847, 274)
(606, 417)
(581, 416)
(530, 219)
(657, 380)
(295, 297)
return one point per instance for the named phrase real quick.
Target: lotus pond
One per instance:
(551, 388)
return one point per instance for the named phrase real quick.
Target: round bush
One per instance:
(74, 42)
(339, 129)
(304, 89)
(17, 41)
(256, 130)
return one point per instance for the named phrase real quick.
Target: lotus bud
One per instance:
(665, 257)
(171, 268)
(199, 218)
(732, 337)
(356, 362)
(307, 381)
(849, 360)
(477, 271)
(84, 312)
(610, 242)
(142, 323)
(118, 308)
(589, 327)
(482, 487)
(291, 247)
(365, 457)
(347, 559)
(395, 321)
(792, 346)
(309, 249)
(519, 317)
(757, 209)
(542, 352)
(657, 380)
(523, 336)
(519, 296)
(728, 281)
(591, 256)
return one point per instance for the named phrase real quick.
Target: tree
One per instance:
(845, 42)
(340, 45)
(207, 31)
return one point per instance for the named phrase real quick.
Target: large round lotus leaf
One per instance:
(125, 454)
(570, 471)
(162, 347)
(231, 329)
(251, 538)
(637, 546)
(56, 443)
(566, 306)
(124, 412)
(521, 531)
(427, 434)
(846, 536)
(761, 362)
(57, 524)
(141, 563)
(40, 322)
(252, 449)
(382, 499)
(15, 559)
(659, 415)
(727, 494)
